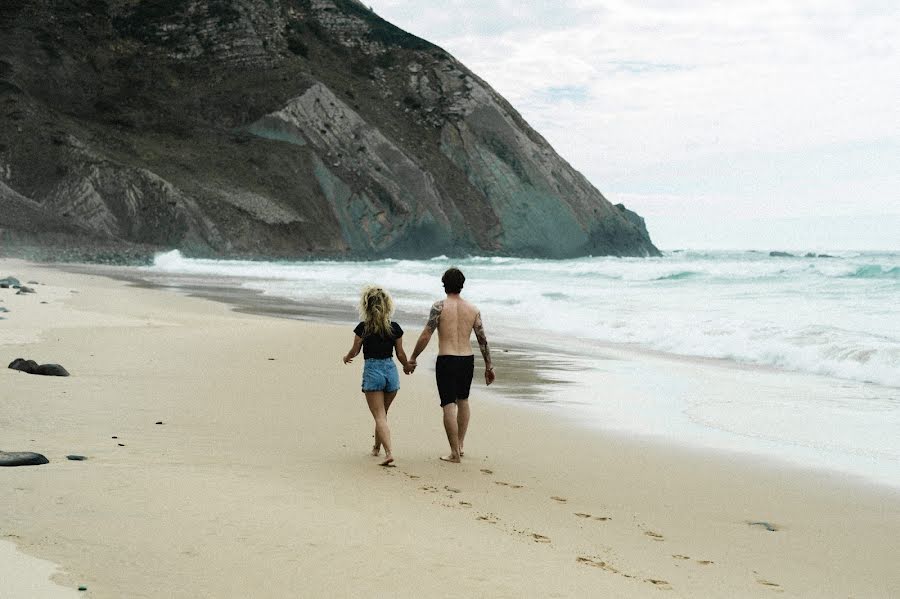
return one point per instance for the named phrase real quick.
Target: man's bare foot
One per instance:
(376, 450)
(388, 461)
(450, 458)
(462, 453)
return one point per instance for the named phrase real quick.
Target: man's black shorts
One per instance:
(454, 377)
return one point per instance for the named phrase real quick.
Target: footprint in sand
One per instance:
(767, 525)
(771, 585)
(489, 518)
(681, 557)
(559, 499)
(411, 476)
(600, 518)
(540, 538)
(596, 562)
(705, 562)
(465, 504)
(428, 489)
(505, 484)
(660, 584)
(452, 490)
(486, 471)
(654, 535)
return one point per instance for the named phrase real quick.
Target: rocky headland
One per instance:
(271, 128)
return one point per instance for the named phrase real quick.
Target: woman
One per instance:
(378, 336)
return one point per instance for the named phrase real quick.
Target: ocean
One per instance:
(828, 324)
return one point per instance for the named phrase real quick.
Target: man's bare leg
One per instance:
(451, 427)
(375, 399)
(388, 399)
(462, 423)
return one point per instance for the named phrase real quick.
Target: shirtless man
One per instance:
(454, 319)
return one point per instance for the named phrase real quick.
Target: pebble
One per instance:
(76, 458)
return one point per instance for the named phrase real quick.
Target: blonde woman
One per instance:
(378, 336)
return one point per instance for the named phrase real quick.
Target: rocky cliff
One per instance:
(273, 128)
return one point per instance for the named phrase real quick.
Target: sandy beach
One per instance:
(258, 482)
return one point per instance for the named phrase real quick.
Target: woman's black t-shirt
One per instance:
(374, 345)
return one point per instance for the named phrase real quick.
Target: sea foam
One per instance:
(830, 316)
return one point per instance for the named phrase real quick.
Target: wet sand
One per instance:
(258, 483)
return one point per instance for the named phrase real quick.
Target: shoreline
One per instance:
(535, 383)
(29, 577)
(257, 484)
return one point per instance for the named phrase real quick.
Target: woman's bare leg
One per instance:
(375, 399)
(388, 400)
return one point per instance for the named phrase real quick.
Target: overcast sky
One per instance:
(726, 124)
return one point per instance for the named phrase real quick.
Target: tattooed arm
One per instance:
(478, 327)
(434, 319)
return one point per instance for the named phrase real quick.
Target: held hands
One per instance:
(410, 367)
(489, 376)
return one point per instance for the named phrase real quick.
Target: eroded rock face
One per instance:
(274, 128)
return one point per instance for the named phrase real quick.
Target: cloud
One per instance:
(627, 89)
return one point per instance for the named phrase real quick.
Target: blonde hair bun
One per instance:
(375, 309)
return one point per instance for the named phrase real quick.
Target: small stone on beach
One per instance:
(159, 422)
(76, 458)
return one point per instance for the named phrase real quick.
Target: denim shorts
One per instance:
(380, 375)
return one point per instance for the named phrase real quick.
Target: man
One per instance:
(454, 319)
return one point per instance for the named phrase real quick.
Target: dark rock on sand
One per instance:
(29, 366)
(22, 458)
(32, 367)
(9, 282)
(781, 255)
(766, 525)
(23, 289)
(51, 370)
(76, 458)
